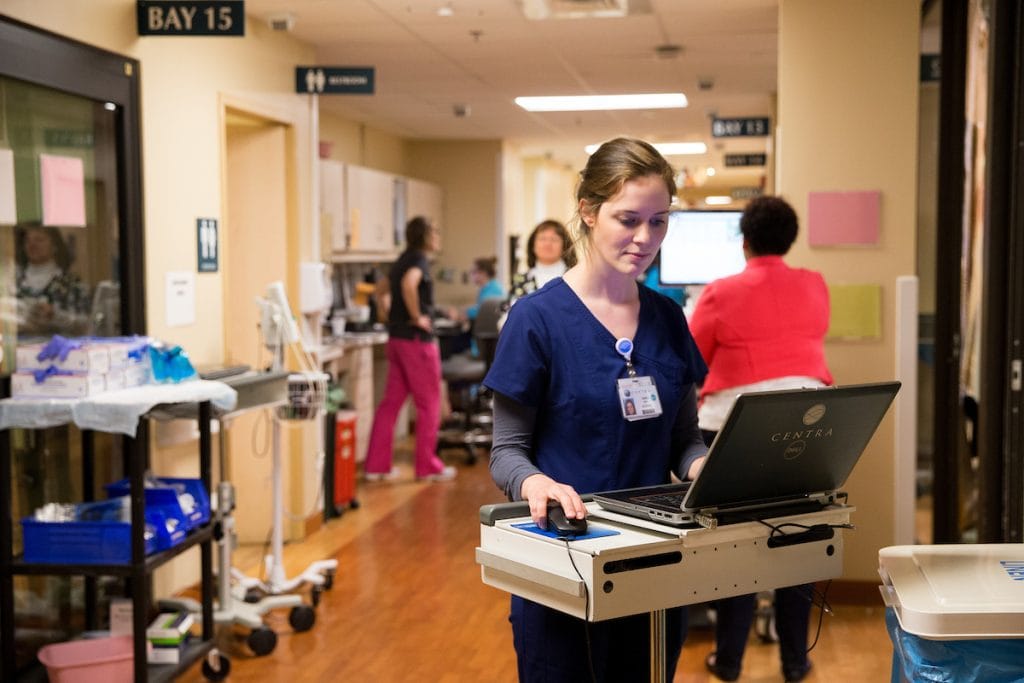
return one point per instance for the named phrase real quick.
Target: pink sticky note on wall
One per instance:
(63, 183)
(835, 218)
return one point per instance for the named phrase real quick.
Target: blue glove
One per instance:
(58, 347)
(170, 364)
(41, 375)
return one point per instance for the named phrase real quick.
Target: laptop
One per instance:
(778, 453)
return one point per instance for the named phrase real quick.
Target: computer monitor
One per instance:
(700, 246)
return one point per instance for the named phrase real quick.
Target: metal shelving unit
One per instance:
(137, 571)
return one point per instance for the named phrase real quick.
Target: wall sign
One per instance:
(746, 192)
(207, 244)
(931, 68)
(199, 18)
(742, 127)
(334, 80)
(732, 160)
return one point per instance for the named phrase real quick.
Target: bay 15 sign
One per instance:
(209, 18)
(743, 127)
(334, 80)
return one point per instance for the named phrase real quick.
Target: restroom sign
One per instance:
(207, 244)
(200, 18)
(334, 80)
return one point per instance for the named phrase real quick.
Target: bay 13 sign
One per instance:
(334, 80)
(743, 127)
(209, 18)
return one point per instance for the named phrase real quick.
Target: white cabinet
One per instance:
(365, 210)
(370, 196)
(423, 198)
(332, 203)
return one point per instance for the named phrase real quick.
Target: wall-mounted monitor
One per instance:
(701, 246)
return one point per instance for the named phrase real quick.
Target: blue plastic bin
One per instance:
(92, 542)
(918, 659)
(166, 499)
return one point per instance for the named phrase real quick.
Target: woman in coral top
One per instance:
(760, 330)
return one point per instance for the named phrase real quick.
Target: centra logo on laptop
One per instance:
(817, 456)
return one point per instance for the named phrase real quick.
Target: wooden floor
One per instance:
(408, 605)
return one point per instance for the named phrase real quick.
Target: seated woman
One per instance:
(51, 299)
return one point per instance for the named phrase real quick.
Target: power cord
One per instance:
(816, 598)
(586, 610)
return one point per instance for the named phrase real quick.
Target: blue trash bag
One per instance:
(916, 659)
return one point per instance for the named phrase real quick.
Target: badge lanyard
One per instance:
(638, 396)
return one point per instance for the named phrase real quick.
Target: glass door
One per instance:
(70, 237)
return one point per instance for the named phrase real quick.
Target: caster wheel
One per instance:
(302, 618)
(314, 595)
(329, 580)
(219, 671)
(253, 595)
(354, 504)
(262, 641)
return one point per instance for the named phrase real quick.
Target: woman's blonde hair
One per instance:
(610, 167)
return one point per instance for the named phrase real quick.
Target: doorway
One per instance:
(255, 254)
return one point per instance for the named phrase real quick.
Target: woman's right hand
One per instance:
(425, 323)
(538, 489)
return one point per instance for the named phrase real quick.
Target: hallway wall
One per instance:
(848, 120)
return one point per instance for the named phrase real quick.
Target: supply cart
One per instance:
(118, 412)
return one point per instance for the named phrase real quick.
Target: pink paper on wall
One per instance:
(836, 218)
(63, 183)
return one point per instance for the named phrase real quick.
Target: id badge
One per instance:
(638, 398)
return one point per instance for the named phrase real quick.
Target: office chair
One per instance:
(464, 374)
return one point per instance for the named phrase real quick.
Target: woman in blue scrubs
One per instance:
(568, 358)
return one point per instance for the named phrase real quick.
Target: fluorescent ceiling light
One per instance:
(603, 102)
(669, 149)
(718, 200)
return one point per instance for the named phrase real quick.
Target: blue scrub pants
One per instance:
(551, 646)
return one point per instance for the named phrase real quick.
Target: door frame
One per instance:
(43, 58)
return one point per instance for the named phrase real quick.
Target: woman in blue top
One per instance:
(560, 385)
(484, 276)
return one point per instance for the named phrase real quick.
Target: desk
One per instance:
(647, 567)
(114, 412)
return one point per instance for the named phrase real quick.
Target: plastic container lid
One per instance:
(98, 660)
(956, 592)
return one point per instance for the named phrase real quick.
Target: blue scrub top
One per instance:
(555, 356)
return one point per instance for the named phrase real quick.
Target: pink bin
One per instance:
(99, 660)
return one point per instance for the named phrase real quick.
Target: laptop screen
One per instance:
(781, 444)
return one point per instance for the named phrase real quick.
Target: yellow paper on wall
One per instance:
(856, 312)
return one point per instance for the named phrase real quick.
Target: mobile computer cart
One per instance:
(625, 565)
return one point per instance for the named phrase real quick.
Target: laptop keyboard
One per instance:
(672, 500)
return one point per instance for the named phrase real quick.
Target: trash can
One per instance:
(340, 463)
(955, 612)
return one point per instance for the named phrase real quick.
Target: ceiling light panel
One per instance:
(603, 102)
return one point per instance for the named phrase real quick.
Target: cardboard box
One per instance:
(164, 654)
(89, 359)
(24, 385)
(120, 617)
(170, 628)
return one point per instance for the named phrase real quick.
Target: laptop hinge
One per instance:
(705, 520)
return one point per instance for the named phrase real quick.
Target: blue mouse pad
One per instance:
(591, 532)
